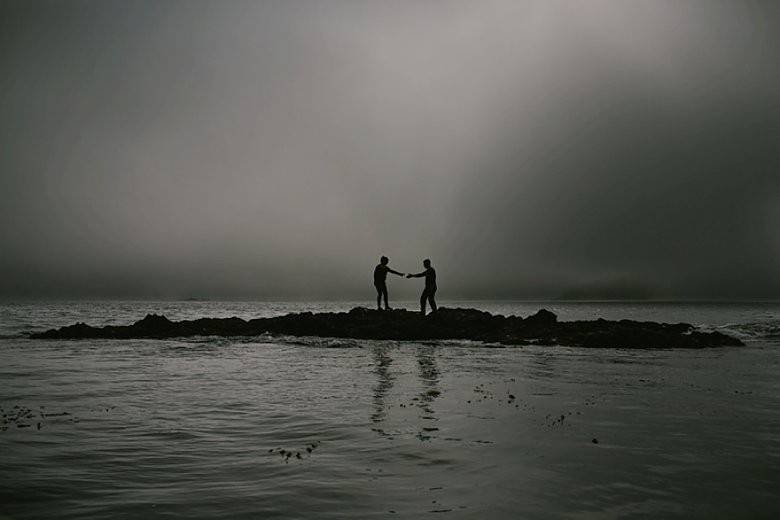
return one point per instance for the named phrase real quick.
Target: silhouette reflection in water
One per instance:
(385, 379)
(428, 373)
(429, 391)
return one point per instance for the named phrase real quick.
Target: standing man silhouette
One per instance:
(430, 286)
(380, 277)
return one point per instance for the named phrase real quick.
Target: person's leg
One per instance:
(431, 296)
(423, 299)
(384, 293)
(378, 297)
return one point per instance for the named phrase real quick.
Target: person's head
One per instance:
(426, 263)
(384, 260)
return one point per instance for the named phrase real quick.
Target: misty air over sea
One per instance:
(282, 427)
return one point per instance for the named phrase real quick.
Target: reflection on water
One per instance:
(382, 362)
(429, 391)
(428, 376)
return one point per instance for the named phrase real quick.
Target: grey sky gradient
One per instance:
(277, 149)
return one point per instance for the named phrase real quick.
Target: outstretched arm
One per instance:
(394, 272)
(418, 275)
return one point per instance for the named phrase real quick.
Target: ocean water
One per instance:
(201, 427)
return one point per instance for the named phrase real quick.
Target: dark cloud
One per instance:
(276, 150)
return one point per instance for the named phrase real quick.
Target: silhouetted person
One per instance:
(430, 286)
(380, 277)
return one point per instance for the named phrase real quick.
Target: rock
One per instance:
(542, 328)
(542, 319)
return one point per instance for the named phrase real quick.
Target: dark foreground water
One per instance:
(195, 428)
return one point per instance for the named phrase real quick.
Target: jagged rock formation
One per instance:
(542, 328)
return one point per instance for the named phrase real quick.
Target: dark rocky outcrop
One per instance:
(542, 328)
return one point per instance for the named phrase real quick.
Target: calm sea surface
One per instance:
(201, 427)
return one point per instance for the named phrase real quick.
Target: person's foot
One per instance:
(388, 308)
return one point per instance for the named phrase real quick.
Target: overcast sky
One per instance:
(277, 149)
